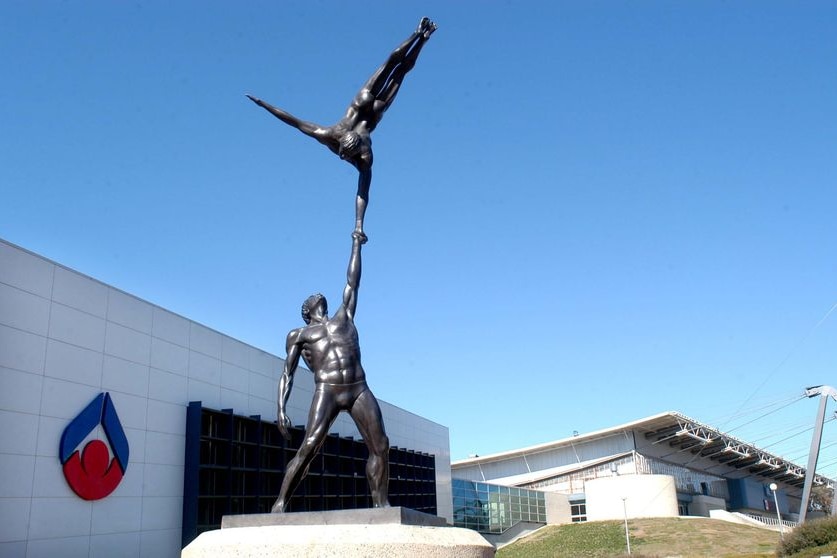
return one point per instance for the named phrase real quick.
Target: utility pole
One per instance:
(824, 392)
(834, 489)
(627, 533)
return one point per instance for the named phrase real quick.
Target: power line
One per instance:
(789, 437)
(787, 356)
(796, 429)
(797, 434)
(767, 413)
(732, 416)
(822, 448)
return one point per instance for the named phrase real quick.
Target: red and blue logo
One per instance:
(92, 474)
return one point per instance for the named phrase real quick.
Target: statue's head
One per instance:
(351, 145)
(315, 304)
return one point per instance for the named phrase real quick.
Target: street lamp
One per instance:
(773, 488)
(627, 535)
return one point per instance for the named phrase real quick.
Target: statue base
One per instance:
(364, 516)
(344, 533)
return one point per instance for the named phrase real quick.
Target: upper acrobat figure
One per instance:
(350, 138)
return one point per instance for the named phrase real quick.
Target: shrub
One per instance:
(810, 534)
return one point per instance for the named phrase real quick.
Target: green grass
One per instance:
(650, 538)
(603, 538)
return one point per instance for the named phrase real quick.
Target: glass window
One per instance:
(491, 508)
(578, 511)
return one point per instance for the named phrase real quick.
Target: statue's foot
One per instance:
(422, 26)
(278, 507)
(427, 28)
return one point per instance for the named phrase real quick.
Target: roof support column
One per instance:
(824, 392)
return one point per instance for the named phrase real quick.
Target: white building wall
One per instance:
(65, 338)
(643, 496)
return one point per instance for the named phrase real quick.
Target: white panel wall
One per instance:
(65, 338)
(632, 495)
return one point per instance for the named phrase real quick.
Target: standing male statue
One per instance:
(350, 138)
(330, 348)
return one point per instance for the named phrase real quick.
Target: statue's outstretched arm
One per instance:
(364, 180)
(308, 128)
(286, 383)
(353, 276)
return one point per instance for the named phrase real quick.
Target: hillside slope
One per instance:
(650, 538)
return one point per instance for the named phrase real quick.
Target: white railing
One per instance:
(771, 521)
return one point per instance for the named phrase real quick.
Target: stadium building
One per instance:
(128, 429)
(659, 466)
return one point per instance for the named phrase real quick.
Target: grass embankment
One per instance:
(650, 538)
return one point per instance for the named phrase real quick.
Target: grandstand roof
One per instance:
(675, 430)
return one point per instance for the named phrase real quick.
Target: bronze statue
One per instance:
(350, 138)
(329, 346)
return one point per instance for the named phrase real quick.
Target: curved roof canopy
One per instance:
(686, 436)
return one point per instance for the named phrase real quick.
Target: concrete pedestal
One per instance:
(365, 516)
(374, 533)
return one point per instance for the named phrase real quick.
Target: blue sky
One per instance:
(582, 213)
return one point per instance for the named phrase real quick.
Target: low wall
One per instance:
(557, 509)
(634, 495)
(702, 505)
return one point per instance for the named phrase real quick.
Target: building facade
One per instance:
(96, 384)
(663, 465)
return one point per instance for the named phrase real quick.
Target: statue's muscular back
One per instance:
(332, 351)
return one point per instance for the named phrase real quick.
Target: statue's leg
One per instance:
(379, 79)
(391, 86)
(323, 412)
(367, 415)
